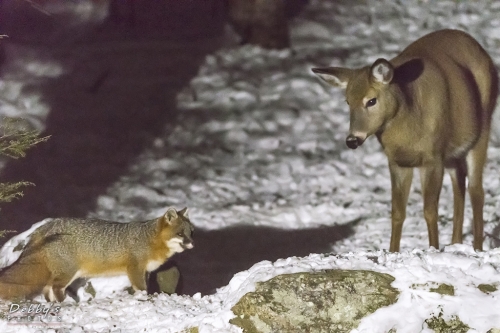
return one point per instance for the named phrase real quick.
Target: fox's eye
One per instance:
(179, 234)
(371, 102)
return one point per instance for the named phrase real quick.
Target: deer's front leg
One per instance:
(400, 182)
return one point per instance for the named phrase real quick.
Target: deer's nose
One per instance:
(353, 142)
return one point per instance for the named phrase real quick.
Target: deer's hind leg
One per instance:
(476, 158)
(431, 178)
(458, 173)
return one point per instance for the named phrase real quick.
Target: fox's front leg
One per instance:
(137, 276)
(400, 186)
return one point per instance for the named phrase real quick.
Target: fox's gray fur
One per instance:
(65, 249)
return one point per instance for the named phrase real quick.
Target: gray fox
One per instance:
(65, 249)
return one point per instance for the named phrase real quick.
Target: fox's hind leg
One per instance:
(55, 289)
(48, 293)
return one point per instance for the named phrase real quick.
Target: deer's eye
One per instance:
(371, 102)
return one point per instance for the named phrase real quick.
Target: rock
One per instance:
(191, 330)
(326, 301)
(487, 288)
(453, 325)
(168, 280)
(444, 289)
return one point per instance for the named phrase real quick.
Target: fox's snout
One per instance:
(187, 244)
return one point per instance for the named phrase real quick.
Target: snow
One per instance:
(12, 249)
(260, 142)
(415, 272)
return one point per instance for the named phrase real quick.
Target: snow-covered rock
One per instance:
(326, 301)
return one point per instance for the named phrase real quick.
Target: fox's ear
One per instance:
(170, 215)
(184, 212)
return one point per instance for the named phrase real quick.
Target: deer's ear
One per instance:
(382, 71)
(336, 76)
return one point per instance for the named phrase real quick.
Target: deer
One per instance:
(430, 108)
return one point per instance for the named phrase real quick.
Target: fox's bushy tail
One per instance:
(27, 276)
(23, 279)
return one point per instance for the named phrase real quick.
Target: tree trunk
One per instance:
(260, 22)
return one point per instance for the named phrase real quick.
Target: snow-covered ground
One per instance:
(416, 273)
(261, 140)
(258, 155)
